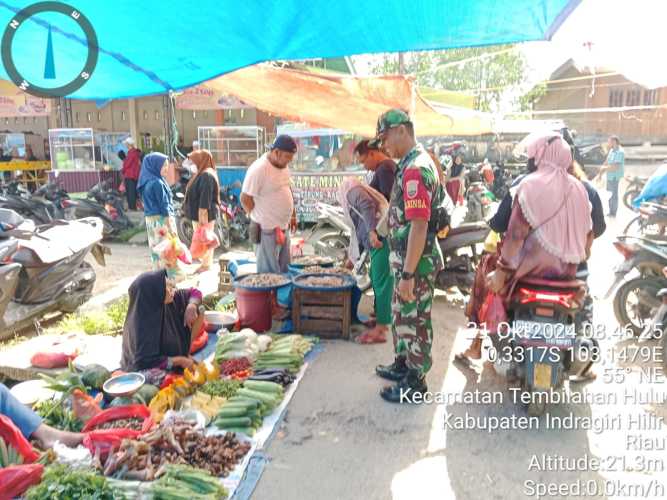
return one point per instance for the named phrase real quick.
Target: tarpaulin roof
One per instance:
(345, 102)
(153, 46)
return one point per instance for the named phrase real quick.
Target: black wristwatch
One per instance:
(407, 276)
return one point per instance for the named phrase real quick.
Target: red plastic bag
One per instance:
(83, 406)
(492, 313)
(200, 340)
(16, 479)
(51, 359)
(107, 440)
(12, 436)
(203, 239)
(118, 412)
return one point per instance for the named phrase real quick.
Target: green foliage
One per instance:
(489, 78)
(107, 322)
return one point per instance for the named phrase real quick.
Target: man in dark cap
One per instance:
(415, 257)
(267, 197)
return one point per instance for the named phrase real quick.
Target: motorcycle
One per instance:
(459, 268)
(44, 270)
(542, 344)
(233, 213)
(656, 326)
(650, 222)
(102, 202)
(185, 228)
(646, 258)
(635, 185)
(478, 201)
(19, 199)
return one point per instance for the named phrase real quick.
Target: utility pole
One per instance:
(401, 64)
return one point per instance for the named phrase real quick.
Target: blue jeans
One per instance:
(612, 186)
(23, 417)
(271, 257)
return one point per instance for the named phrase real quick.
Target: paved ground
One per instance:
(340, 441)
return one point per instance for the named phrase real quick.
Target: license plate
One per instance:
(542, 376)
(558, 334)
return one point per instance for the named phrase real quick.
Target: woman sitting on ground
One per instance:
(550, 231)
(157, 334)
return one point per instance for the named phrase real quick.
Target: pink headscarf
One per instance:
(555, 203)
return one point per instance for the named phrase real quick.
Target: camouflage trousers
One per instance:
(411, 329)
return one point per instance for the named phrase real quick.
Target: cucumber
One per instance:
(248, 401)
(225, 423)
(263, 386)
(269, 400)
(231, 412)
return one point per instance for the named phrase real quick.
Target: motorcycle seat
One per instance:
(467, 227)
(547, 283)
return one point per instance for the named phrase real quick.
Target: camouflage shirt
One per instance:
(416, 193)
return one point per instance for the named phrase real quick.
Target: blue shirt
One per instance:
(616, 157)
(156, 197)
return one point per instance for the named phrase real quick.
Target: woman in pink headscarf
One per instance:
(550, 229)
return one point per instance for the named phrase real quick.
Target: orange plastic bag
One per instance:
(492, 313)
(16, 479)
(12, 436)
(84, 407)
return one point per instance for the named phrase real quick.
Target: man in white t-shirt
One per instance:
(267, 196)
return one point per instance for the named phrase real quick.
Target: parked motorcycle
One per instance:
(34, 207)
(44, 270)
(642, 257)
(459, 251)
(635, 185)
(103, 202)
(650, 222)
(656, 324)
(542, 344)
(233, 213)
(478, 202)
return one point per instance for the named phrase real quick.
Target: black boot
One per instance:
(408, 390)
(395, 371)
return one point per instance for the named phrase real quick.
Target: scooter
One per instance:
(103, 203)
(44, 270)
(17, 198)
(656, 326)
(635, 186)
(542, 344)
(478, 201)
(460, 265)
(232, 211)
(650, 222)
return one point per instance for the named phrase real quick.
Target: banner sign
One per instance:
(311, 188)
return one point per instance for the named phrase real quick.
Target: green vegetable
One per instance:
(222, 388)
(8, 455)
(269, 400)
(121, 401)
(266, 387)
(145, 393)
(226, 422)
(232, 412)
(55, 414)
(95, 375)
(60, 482)
(182, 482)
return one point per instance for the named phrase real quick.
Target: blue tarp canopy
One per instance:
(152, 46)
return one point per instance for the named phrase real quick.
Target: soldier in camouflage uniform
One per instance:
(415, 257)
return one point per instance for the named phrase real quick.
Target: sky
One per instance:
(626, 36)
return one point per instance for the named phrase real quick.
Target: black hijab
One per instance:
(154, 330)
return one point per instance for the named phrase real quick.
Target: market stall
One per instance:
(82, 157)
(23, 158)
(325, 157)
(234, 149)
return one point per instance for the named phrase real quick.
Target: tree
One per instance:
(491, 73)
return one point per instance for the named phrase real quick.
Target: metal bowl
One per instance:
(124, 385)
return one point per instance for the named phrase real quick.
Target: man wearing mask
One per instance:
(415, 257)
(266, 196)
(130, 171)
(382, 167)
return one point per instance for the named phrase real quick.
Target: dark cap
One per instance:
(391, 119)
(284, 143)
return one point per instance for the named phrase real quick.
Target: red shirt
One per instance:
(132, 164)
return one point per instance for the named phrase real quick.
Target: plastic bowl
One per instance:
(124, 385)
(217, 319)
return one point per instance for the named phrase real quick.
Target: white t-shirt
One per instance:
(270, 188)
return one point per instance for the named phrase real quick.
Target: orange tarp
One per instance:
(344, 102)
